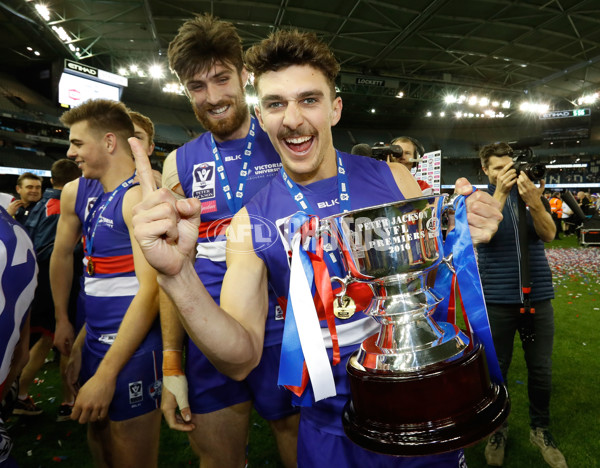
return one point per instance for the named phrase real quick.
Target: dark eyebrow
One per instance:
(311, 93)
(225, 71)
(75, 141)
(302, 95)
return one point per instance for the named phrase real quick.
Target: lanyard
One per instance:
(302, 202)
(92, 221)
(234, 204)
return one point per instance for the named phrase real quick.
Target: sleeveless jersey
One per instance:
(370, 182)
(18, 274)
(113, 285)
(198, 175)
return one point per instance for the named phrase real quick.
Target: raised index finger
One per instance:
(143, 167)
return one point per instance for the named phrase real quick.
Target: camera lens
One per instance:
(535, 171)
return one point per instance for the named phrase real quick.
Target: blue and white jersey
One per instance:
(113, 284)
(199, 178)
(18, 277)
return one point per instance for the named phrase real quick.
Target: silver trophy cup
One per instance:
(418, 386)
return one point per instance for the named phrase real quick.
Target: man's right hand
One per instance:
(165, 228)
(507, 177)
(14, 206)
(174, 395)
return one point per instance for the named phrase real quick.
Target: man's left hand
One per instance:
(528, 191)
(483, 212)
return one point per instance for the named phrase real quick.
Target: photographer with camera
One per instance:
(517, 285)
(403, 150)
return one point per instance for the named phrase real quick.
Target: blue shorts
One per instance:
(320, 448)
(139, 384)
(209, 390)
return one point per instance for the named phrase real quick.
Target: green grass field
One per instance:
(575, 411)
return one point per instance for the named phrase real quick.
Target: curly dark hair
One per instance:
(284, 48)
(494, 149)
(202, 42)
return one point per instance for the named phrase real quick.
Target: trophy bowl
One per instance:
(418, 387)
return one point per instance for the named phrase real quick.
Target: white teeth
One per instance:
(220, 110)
(299, 140)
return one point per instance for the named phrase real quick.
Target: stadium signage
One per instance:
(78, 67)
(370, 82)
(562, 114)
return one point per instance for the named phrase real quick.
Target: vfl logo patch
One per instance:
(278, 313)
(136, 393)
(203, 186)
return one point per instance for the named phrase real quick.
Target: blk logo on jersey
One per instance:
(328, 204)
(203, 186)
(136, 392)
(108, 338)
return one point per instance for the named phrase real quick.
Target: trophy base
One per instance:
(449, 405)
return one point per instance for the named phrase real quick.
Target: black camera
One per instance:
(523, 160)
(382, 150)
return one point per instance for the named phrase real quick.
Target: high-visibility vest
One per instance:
(556, 206)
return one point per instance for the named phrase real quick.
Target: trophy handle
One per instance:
(448, 262)
(344, 282)
(450, 202)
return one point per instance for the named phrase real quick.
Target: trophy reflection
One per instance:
(418, 386)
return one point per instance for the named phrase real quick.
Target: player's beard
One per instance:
(222, 128)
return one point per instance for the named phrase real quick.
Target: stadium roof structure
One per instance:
(398, 57)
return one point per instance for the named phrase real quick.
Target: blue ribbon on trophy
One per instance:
(459, 242)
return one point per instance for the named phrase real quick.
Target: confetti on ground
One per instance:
(580, 265)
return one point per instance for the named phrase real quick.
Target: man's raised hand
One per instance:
(165, 228)
(483, 212)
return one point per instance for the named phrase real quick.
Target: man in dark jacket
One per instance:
(41, 225)
(501, 273)
(29, 190)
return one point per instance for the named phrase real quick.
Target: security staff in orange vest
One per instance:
(556, 209)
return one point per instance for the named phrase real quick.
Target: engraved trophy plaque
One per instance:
(418, 386)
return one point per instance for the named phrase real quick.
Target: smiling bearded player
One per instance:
(223, 168)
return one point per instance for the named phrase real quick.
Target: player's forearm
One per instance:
(172, 330)
(134, 328)
(543, 223)
(61, 279)
(224, 341)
